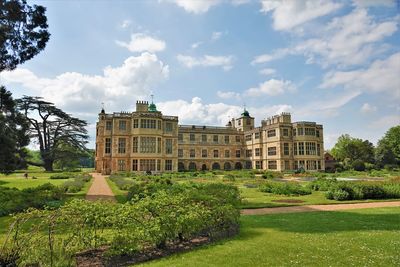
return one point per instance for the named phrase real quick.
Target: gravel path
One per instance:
(100, 189)
(311, 208)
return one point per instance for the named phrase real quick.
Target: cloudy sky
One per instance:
(331, 61)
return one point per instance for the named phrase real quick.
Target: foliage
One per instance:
(77, 184)
(154, 221)
(349, 149)
(388, 148)
(322, 184)
(23, 32)
(358, 165)
(13, 137)
(60, 176)
(284, 188)
(271, 175)
(59, 135)
(14, 200)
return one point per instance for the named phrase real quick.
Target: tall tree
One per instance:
(349, 149)
(13, 138)
(55, 131)
(23, 32)
(388, 148)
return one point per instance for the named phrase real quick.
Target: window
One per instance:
(180, 153)
(122, 125)
(168, 165)
(134, 165)
(257, 152)
(147, 124)
(216, 153)
(318, 150)
(192, 153)
(301, 148)
(258, 164)
(168, 146)
(309, 131)
(272, 151)
(204, 138)
(294, 132)
(147, 164)
(248, 121)
(204, 153)
(300, 131)
(226, 138)
(287, 166)
(256, 135)
(147, 144)
(108, 125)
(135, 123)
(158, 145)
(159, 125)
(168, 127)
(121, 165)
(271, 133)
(192, 137)
(286, 149)
(215, 138)
(248, 153)
(135, 145)
(227, 154)
(317, 133)
(121, 145)
(295, 149)
(310, 148)
(238, 153)
(272, 165)
(248, 137)
(180, 137)
(285, 132)
(107, 147)
(237, 138)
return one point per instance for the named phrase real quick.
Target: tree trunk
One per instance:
(48, 165)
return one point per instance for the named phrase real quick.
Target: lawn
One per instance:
(17, 179)
(367, 237)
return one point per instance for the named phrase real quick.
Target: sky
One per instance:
(330, 61)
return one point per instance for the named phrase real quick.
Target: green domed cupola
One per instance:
(245, 113)
(152, 106)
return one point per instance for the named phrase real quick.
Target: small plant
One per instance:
(60, 176)
(284, 188)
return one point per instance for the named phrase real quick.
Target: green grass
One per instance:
(120, 195)
(367, 237)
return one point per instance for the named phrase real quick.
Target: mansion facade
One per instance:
(147, 140)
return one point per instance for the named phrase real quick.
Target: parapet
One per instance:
(142, 106)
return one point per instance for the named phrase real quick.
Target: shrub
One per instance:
(284, 188)
(358, 165)
(60, 176)
(322, 184)
(77, 184)
(338, 195)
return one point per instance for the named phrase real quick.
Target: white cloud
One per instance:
(385, 122)
(271, 87)
(226, 62)
(195, 45)
(141, 42)
(288, 14)
(199, 113)
(195, 6)
(347, 40)
(267, 72)
(276, 54)
(78, 93)
(369, 3)
(382, 76)
(368, 108)
(216, 35)
(125, 23)
(228, 95)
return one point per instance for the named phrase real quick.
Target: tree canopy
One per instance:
(13, 137)
(349, 149)
(23, 32)
(388, 148)
(58, 134)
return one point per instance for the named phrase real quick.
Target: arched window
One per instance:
(204, 167)
(227, 166)
(238, 166)
(192, 166)
(181, 166)
(216, 166)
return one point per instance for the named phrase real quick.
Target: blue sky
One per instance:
(333, 62)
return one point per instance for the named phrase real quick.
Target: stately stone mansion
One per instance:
(147, 140)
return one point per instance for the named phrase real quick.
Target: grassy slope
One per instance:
(368, 237)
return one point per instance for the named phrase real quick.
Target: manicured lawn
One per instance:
(367, 237)
(17, 179)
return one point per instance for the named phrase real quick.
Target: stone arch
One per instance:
(216, 166)
(181, 166)
(204, 167)
(192, 166)
(227, 166)
(238, 166)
